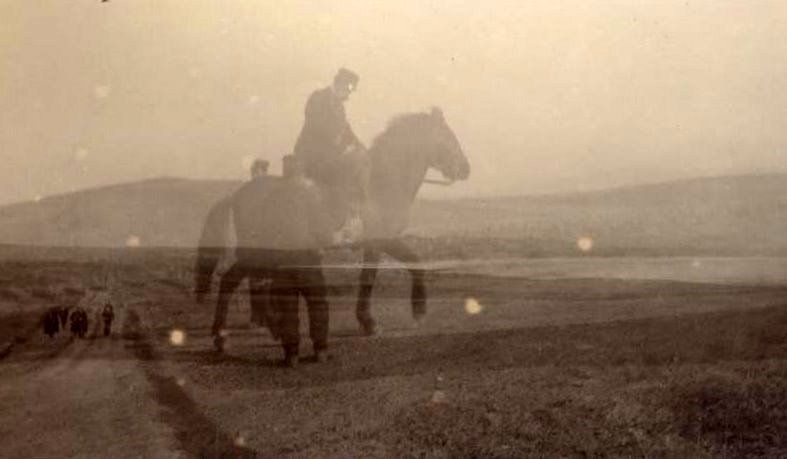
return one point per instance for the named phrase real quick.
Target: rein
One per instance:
(438, 182)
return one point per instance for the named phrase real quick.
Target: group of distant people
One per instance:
(321, 159)
(56, 318)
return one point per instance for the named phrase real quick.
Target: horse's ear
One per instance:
(437, 114)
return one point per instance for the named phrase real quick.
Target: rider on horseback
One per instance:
(328, 148)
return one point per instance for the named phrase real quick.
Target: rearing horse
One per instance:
(398, 162)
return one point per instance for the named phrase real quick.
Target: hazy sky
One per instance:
(544, 95)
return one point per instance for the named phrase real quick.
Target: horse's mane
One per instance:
(399, 128)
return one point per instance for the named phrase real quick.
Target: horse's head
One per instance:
(443, 149)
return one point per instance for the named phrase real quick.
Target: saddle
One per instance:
(344, 182)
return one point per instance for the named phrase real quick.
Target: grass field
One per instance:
(543, 367)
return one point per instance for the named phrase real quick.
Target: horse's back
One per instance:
(280, 215)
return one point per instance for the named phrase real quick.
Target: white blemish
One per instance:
(240, 440)
(439, 397)
(253, 100)
(38, 198)
(246, 162)
(80, 154)
(181, 382)
(472, 306)
(696, 264)
(133, 241)
(177, 337)
(101, 91)
(585, 243)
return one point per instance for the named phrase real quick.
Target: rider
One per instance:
(326, 137)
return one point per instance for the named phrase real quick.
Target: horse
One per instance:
(398, 161)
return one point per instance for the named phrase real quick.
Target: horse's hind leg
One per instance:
(229, 282)
(398, 250)
(368, 274)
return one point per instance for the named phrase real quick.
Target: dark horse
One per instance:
(398, 161)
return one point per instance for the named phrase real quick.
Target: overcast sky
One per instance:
(545, 96)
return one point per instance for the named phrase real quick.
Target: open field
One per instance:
(550, 365)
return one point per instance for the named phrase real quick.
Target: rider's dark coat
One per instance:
(325, 134)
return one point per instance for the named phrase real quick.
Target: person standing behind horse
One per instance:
(280, 231)
(327, 146)
(300, 231)
(258, 287)
(259, 168)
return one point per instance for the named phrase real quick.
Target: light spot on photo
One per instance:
(177, 337)
(472, 306)
(80, 154)
(101, 91)
(585, 243)
(246, 162)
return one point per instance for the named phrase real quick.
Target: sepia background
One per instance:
(611, 280)
(545, 96)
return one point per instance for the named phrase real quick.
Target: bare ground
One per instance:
(563, 367)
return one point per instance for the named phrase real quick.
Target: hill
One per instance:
(158, 212)
(737, 215)
(723, 215)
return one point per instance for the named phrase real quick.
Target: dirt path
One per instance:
(80, 398)
(529, 346)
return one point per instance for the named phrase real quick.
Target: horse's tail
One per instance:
(212, 246)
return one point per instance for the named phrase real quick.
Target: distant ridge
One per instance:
(715, 215)
(164, 211)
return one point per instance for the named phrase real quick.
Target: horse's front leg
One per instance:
(400, 251)
(368, 274)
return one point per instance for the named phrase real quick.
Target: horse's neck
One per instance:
(396, 176)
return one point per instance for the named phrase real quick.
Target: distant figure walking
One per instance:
(108, 314)
(63, 313)
(51, 322)
(79, 322)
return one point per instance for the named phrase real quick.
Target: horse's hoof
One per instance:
(289, 361)
(370, 329)
(218, 344)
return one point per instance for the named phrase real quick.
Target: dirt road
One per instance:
(535, 367)
(66, 397)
